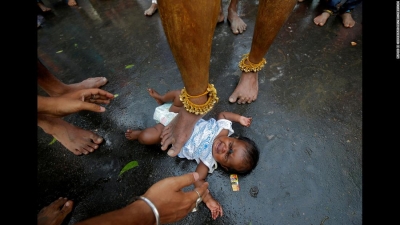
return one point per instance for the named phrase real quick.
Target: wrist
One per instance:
(146, 211)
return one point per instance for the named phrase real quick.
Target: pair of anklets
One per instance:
(203, 108)
(251, 67)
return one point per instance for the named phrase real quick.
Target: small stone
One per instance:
(254, 191)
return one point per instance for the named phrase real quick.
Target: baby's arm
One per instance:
(212, 204)
(244, 121)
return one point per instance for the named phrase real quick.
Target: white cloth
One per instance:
(163, 115)
(199, 145)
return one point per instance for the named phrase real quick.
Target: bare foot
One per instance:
(155, 95)
(238, 26)
(151, 10)
(321, 19)
(247, 89)
(348, 20)
(75, 139)
(55, 213)
(93, 82)
(221, 16)
(178, 131)
(132, 134)
(72, 3)
(43, 7)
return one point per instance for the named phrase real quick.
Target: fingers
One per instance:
(92, 107)
(185, 180)
(97, 94)
(203, 190)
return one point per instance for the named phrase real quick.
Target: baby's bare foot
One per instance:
(72, 3)
(55, 213)
(321, 19)
(155, 95)
(238, 26)
(132, 134)
(348, 20)
(150, 11)
(247, 89)
(75, 139)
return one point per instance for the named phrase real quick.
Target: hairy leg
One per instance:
(75, 139)
(271, 15)
(55, 213)
(151, 10)
(238, 26)
(189, 27)
(54, 87)
(348, 20)
(321, 19)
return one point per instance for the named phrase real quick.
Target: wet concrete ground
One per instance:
(307, 120)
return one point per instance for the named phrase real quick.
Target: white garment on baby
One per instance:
(199, 145)
(163, 115)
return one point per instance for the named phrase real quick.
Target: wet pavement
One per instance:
(307, 120)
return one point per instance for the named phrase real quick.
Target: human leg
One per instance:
(271, 16)
(152, 9)
(42, 6)
(238, 26)
(189, 27)
(148, 136)
(170, 96)
(345, 12)
(55, 213)
(75, 139)
(221, 16)
(54, 87)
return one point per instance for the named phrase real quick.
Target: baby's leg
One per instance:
(148, 136)
(170, 96)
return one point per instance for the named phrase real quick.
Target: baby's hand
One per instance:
(215, 208)
(245, 121)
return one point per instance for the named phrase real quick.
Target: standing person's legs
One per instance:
(189, 27)
(238, 26)
(271, 15)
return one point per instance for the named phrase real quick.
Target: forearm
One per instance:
(138, 213)
(234, 117)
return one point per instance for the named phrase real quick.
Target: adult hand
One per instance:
(86, 99)
(171, 202)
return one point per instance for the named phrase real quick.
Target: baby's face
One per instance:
(228, 152)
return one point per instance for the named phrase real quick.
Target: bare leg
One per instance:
(75, 139)
(321, 19)
(43, 7)
(170, 96)
(151, 10)
(221, 16)
(54, 87)
(55, 213)
(72, 3)
(272, 14)
(148, 136)
(189, 27)
(238, 26)
(348, 20)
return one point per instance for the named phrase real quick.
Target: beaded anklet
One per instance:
(252, 67)
(203, 108)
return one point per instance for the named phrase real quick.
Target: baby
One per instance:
(210, 143)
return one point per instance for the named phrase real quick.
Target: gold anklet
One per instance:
(328, 11)
(203, 108)
(252, 67)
